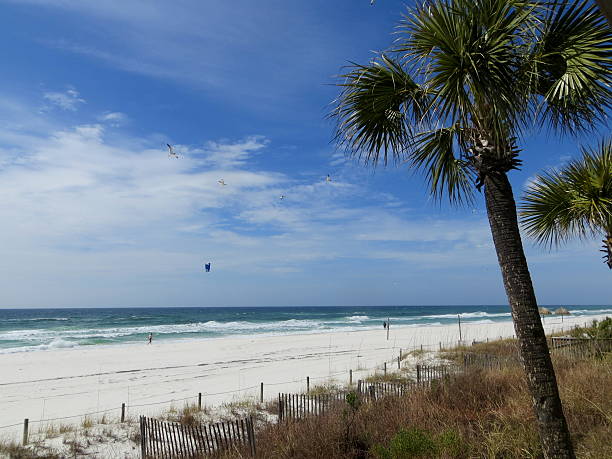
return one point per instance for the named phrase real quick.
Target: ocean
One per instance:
(41, 329)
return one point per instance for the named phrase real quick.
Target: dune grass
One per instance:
(475, 414)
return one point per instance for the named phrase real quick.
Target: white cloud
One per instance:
(76, 192)
(338, 158)
(67, 100)
(114, 118)
(233, 154)
(94, 211)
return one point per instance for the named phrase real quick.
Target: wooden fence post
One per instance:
(252, 435)
(280, 408)
(307, 384)
(350, 377)
(261, 394)
(143, 438)
(26, 422)
(385, 368)
(398, 363)
(418, 369)
(459, 320)
(123, 412)
(199, 401)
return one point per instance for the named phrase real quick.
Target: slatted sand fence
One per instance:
(489, 361)
(169, 440)
(299, 406)
(429, 373)
(580, 347)
(375, 390)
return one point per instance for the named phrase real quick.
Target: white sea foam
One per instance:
(357, 318)
(591, 311)
(194, 327)
(55, 344)
(23, 335)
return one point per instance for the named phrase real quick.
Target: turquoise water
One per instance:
(40, 329)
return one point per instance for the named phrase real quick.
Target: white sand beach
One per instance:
(46, 385)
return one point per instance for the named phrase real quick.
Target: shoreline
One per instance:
(71, 382)
(159, 337)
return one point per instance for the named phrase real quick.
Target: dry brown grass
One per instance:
(13, 450)
(473, 415)
(187, 414)
(396, 377)
(500, 348)
(325, 389)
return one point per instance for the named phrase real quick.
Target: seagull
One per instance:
(171, 153)
(281, 197)
(328, 179)
(221, 182)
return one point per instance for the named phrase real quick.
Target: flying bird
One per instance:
(221, 182)
(207, 267)
(171, 152)
(281, 197)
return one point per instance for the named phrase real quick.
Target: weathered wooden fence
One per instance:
(580, 347)
(376, 390)
(428, 373)
(489, 361)
(168, 440)
(298, 406)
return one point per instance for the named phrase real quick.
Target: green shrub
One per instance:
(601, 330)
(408, 443)
(451, 444)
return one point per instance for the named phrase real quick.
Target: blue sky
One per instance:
(94, 213)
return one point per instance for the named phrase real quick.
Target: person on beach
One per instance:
(150, 338)
(385, 325)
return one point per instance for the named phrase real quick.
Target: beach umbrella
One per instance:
(544, 311)
(562, 312)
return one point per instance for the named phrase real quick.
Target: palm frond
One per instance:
(468, 52)
(575, 201)
(571, 66)
(376, 109)
(433, 153)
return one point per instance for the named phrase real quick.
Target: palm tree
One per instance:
(452, 97)
(575, 201)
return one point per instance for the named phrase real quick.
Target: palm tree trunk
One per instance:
(534, 353)
(607, 249)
